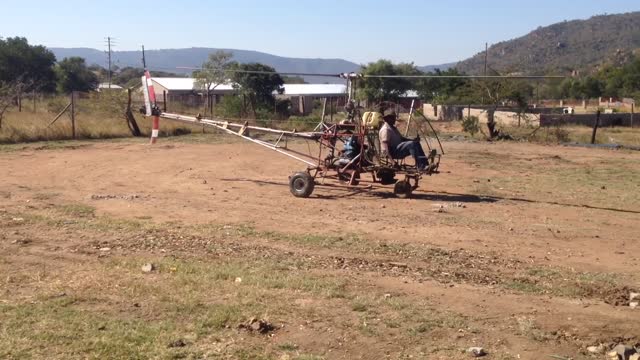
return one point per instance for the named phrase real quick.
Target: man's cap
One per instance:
(389, 113)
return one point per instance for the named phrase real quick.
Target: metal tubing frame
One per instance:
(222, 125)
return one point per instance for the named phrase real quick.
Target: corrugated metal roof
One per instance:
(106, 86)
(185, 84)
(410, 94)
(314, 89)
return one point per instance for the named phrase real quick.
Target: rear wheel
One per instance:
(402, 189)
(301, 184)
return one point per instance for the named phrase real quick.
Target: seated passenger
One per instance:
(396, 146)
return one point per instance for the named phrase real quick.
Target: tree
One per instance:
(443, 90)
(31, 66)
(213, 73)
(7, 97)
(256, 82)
(496, 92)
(386, 89)
(73, 75)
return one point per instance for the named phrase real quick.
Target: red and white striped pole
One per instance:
(155, 111)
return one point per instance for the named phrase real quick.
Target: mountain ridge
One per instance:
(189, 58)
(563, 47)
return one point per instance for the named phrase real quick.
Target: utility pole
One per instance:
(486, 55)
(110, 44)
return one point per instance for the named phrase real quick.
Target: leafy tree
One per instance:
(444, 90)
(7, 96)
(213, 73)
(256, 82)
(386, 89)
(29, 65)
(496, 92)
(73, 75)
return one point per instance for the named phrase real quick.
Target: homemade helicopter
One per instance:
(347, 150)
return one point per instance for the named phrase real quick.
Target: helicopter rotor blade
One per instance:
(263, 72)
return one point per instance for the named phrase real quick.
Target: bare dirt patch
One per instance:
(525, 250)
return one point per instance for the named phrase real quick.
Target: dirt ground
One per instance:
(528, 251)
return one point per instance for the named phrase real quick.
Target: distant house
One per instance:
(186, 91)
(407, 98)
(303, 95)
(107, 87)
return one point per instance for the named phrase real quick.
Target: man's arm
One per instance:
(384, 144)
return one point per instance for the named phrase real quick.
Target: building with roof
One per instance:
(302, 96)
(107, 86)
(186, 91)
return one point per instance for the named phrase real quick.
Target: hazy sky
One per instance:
(424, 32)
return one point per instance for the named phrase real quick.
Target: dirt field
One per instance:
(525, 250)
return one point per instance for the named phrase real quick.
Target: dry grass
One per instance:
(96, 118)
(109, 308)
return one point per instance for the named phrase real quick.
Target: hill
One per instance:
(565, 46)
(171, 59)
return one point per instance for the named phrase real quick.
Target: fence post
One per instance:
(331, 109)
(595, 128)
(632, 115)
(324, 109)
(73, 116)
(34, 100)
(164, 100)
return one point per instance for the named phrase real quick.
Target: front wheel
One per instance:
(301, 184)
(402, 189)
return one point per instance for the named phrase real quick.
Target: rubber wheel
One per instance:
(301, 184)
(402, 189)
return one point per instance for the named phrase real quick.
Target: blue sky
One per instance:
(423, 32)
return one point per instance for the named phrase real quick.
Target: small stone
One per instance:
(634, 304)
(382, 206)
(147, 268)
(635, 356)
(596, 349)
(476, 351)
(204, 181)
(17, 219)
(177, 343)
(387, 296)
(105, 249)
(398, 264)
(603, 187)
(238, 280)
(633, 296)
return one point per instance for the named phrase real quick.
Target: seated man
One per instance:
(396, 146)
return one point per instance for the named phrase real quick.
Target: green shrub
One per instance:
(470, 124)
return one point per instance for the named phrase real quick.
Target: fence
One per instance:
(606, 120)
